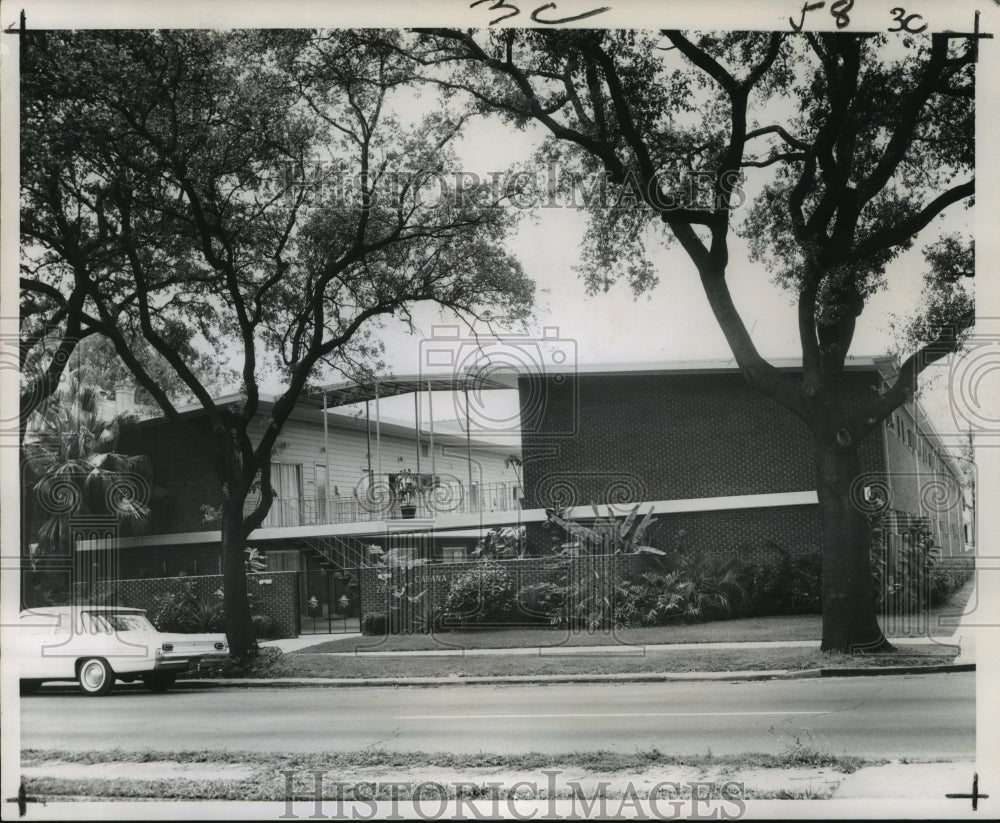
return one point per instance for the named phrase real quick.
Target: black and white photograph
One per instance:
(499, 410)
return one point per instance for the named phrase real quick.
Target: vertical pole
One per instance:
(378, 431)
(368, 427)
(416, 419)
(468, 436)
(430, 418)
(326, 451)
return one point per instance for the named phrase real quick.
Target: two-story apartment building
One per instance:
(724, 469)
(339, 481)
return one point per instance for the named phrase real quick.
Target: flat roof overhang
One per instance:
(491, 377)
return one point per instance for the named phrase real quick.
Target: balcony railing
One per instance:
(380, 504)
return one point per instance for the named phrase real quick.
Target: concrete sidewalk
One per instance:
(304, 641)
(551, 679)
(620, 650)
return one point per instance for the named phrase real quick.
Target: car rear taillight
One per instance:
(220, 646)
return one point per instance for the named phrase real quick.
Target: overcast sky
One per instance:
(671, 322)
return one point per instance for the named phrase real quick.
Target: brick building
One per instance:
(724, 468)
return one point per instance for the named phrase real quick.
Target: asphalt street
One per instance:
(928, 715)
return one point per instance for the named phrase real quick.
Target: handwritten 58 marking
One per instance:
(839, 10)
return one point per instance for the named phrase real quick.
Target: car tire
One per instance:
(159, 682)
(95, 676)
(30, 686)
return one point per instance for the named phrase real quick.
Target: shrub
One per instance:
(500, 544)
(807, 583)
(605, 535)
(767, 585)
(483, 595)
(265, 627)
(781, 584)
(948, 576)
(184, 611)
(544, 602)
(700, 589)
(374, 623)
(902, 570)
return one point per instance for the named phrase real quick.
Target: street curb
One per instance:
(501, 680)
(527, 680)
(884, 670)
(542, 680)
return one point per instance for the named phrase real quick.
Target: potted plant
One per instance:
(406, 492)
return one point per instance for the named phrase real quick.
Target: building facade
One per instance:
(726, 472)
(725, 469)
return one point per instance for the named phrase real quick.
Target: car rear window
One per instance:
(111, 622)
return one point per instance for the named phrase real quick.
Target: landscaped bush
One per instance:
(544, 602)
(699, 589)
(948, 576)
(807, 584)
(902, 570)
(374, 623)
(780, 584)
(485, 595)
(185, 611)
(265, 627)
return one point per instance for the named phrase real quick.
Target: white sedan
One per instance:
(96, 645)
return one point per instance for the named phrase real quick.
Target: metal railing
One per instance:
(380, 503)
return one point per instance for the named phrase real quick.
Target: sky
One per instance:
(671, 322)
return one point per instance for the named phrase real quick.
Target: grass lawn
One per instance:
(606, 759)
(784, 627)
(118, 775)
(656, 661)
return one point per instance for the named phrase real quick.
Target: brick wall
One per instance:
(747, 533)
(667, 437)
(631, 438)
(278, 599)
(920, 482)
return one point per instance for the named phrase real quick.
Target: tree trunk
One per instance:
(849, 611)
(238, 621)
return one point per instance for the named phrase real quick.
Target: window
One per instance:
(453, 554)
(110, 622)
(286, 480)
(425, 450)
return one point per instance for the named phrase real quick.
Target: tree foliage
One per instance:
(240, 194)
(836, 150)
(72, 467)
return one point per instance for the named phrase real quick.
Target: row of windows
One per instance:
(917, 444)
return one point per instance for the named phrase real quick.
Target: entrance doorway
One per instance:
(329, 601)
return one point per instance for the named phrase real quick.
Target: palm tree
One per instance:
(72, 467)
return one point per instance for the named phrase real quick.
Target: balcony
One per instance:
(381, 504)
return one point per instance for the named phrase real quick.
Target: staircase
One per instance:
(334, 553)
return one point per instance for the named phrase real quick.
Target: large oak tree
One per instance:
(244, 193)
(858, 142)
